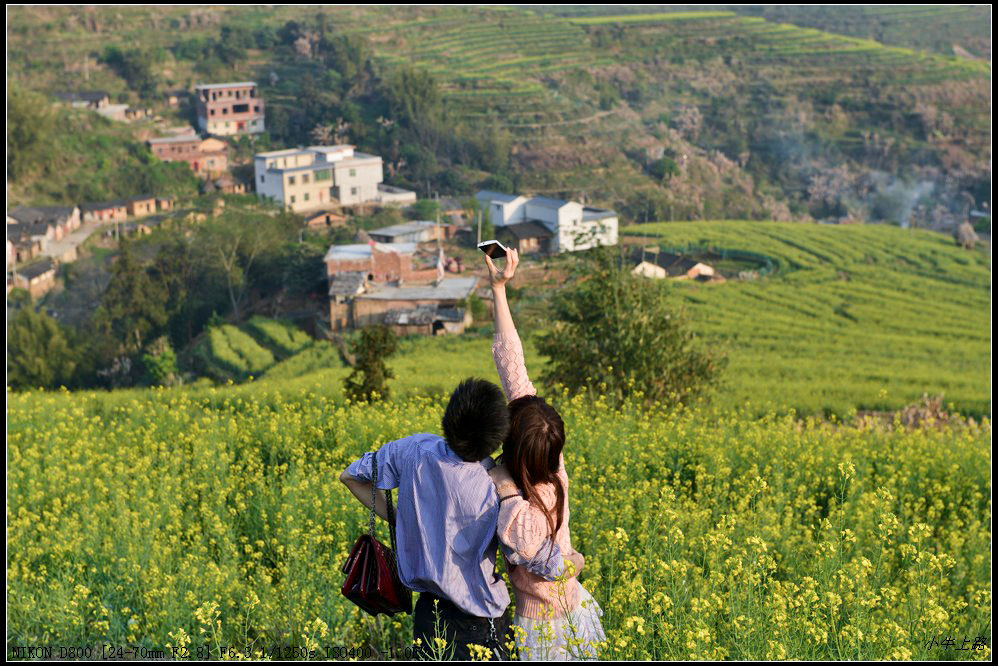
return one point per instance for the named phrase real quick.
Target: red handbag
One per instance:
(372, 580)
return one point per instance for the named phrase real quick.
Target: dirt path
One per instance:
(61, 248)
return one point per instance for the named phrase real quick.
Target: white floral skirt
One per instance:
(574, 637)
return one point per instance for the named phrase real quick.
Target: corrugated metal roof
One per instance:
(359, 251)
(449, 289)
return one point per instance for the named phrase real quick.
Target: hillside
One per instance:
(660, 113)
(854, 315)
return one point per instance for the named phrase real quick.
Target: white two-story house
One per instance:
(573, 226)
(306, 179)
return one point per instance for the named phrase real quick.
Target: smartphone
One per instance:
(493, 248)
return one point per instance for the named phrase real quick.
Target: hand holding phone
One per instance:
(493, 248)
(496, 277)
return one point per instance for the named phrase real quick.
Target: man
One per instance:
(447, 515)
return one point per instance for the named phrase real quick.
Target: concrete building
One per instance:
(208, 158)
(306, 179)
(229, 108)
(573, 226)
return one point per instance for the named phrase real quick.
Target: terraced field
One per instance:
(853, 316)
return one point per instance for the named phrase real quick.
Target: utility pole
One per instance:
(479, 226)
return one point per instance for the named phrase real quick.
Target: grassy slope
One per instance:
(865, 316)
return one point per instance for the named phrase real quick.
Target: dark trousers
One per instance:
(459, 628)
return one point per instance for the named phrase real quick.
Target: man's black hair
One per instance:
(476, 420)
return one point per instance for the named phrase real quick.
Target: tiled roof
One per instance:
(528, 229)
(36, 214)
(346, 283)
(38, 268)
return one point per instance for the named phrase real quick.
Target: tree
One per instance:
(233, 241)
(617, 334)
(39, 354)
(134, 306)
(28, 127)
(136, 66)
(368, 380)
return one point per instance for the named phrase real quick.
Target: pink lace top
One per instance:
(523, 525)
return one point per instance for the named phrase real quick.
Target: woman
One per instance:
(557, 620)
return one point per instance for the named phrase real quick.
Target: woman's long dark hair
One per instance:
(532, 452)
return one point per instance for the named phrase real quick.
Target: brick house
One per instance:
(37, 278)
(325, 218)
(206, 157)
(105, 211)
(64, 218)
(229, 108)
(142, 205)
(380, 263)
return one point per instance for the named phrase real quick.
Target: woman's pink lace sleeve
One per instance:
(508, 354)
(522, 526)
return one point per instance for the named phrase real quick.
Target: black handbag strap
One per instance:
(388, 502)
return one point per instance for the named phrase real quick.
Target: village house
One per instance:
(420, 231)
(306, 179)
(389, 194)
(225, 109)
(207, 157)
(93, 99)
(427, 320)
(324, 218)
(173, 97)
(38, 232)
(105, 211)
(429, 309)
(142, 205)
(117, 112)
(24, 246)
(652, 263)
(526, 237)
(226, 184)
(37, 278)
(378, 262)
(573, 226)
(164, 204)
(64, 219)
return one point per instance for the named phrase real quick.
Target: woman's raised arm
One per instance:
(507, 350)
